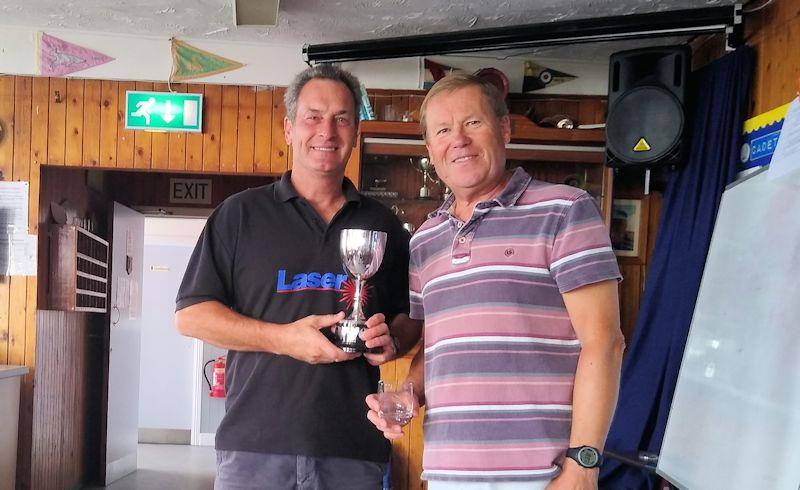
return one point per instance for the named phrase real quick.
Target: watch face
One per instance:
(587, 457)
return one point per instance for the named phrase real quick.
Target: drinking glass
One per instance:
(396, 402)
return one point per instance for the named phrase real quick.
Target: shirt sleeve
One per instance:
(208, 275)
(396, 300)
(417, 311)
(581, 252)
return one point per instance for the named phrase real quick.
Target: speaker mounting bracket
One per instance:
(734, 33)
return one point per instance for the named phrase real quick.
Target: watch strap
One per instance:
(575, 454)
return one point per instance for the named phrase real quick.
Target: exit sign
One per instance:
(190, 191)
(163, 111)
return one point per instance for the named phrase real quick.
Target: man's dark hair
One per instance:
(322, 72)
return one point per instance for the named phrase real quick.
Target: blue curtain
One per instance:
(650, 371)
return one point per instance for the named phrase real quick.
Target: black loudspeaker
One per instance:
(646, 97)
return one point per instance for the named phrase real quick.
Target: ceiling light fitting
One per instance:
(726, 19)
(255, 12)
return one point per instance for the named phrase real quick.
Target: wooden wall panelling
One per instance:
(160, 141)
(414, 105)
(126, 146)
(279, 160)
(775, 34)
(401, 448)
(415, 452)
(262, 131)
(58, 448)
(142, 140)
(586, 113)
(73, 149)
(546, 108)
(228, 137)
(91, 122)
(109, 96)
(389, 375)
(352, 169)
(654, 221)
(783, 57)
(177, 141)
(246, 130)
(72, 455)
(406, 451)
(630, 294)
(571, 108)
(194, 141)
(39, 142)
(771, 82)
(23, 92)
(6, 166)
(47, 443)
(400, 106)
(17, 285)
(152, 189)
(57, 120)
(213, 121)
(379, 106)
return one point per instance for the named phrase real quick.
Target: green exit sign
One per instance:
(163, 111)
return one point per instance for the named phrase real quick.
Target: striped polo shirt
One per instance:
(500, 350)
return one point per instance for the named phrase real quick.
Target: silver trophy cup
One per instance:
(426, 168)
(362, 254)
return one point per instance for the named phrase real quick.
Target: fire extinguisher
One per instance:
(217, 390)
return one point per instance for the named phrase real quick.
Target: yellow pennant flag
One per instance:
(189, 62)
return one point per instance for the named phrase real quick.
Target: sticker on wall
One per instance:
(538, 77)
(761, 137)
(58, 57)
(189, 62)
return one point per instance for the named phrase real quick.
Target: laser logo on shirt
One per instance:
(310, 280)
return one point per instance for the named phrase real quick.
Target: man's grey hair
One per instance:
(322, 72)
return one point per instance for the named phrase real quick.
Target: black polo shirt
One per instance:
(267, 254)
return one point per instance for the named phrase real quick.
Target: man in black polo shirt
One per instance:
(265, 278)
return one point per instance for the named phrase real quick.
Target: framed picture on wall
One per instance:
(628, 228)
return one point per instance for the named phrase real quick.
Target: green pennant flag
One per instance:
(189, 62)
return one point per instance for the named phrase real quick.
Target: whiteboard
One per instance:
(735, 416)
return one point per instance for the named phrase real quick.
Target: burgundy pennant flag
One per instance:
(58, 57)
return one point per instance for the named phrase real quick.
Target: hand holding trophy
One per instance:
(362, 253)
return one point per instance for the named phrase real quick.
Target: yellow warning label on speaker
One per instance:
(642, 145)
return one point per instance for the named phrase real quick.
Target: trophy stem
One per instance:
(358, 313)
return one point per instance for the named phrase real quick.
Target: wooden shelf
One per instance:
(523, 130)
(542, 152)
(549, 154)
(78, 270)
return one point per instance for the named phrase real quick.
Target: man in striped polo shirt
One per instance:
(517, 283)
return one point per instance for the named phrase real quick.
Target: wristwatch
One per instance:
(586, 456)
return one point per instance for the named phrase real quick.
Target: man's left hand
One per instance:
(377, 335)
(575, 477)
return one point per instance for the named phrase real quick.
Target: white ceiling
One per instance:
(315, 21)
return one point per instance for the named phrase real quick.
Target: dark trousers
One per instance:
(240, 470)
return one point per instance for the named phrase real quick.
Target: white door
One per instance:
(127, 252)
(166, 368)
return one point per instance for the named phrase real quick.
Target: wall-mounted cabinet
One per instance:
(392, 156)
(78, 270)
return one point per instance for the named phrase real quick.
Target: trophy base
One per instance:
(346, 337)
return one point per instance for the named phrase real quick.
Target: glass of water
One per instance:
(396, 402)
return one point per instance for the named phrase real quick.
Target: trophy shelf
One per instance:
(389, 150)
